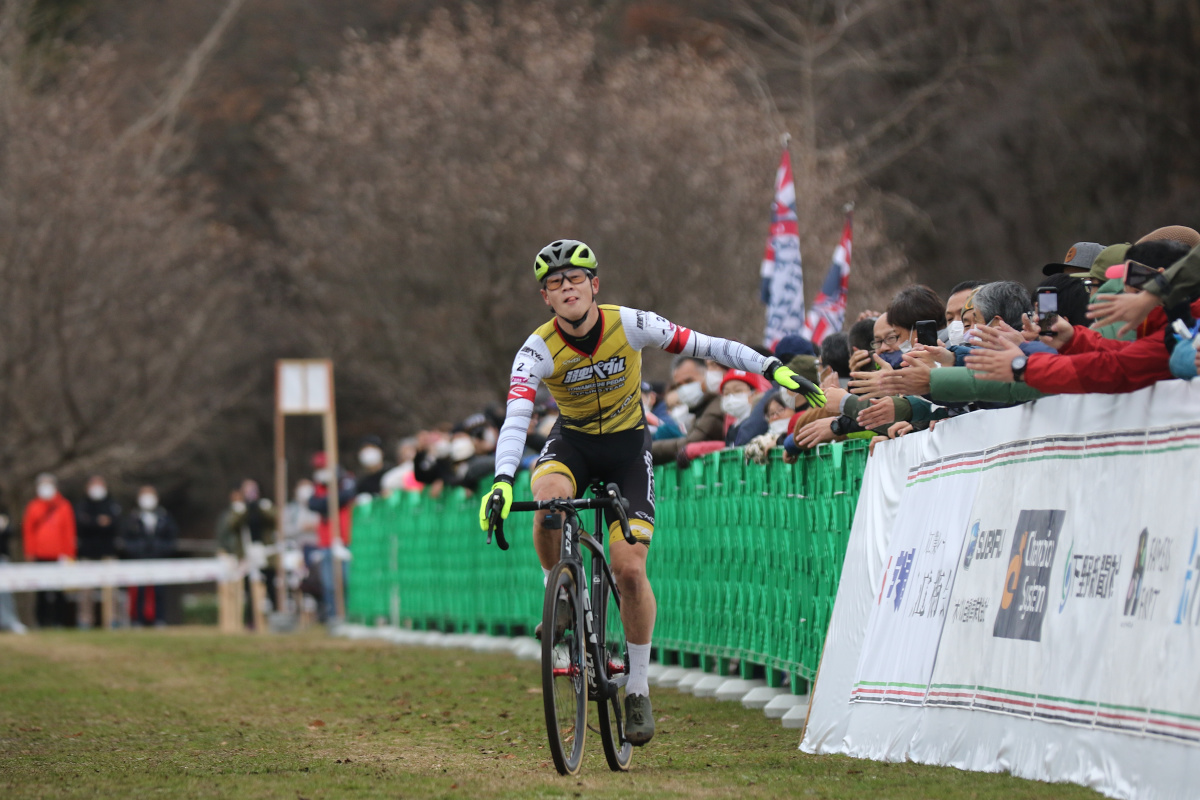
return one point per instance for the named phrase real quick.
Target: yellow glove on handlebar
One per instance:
(497, 501)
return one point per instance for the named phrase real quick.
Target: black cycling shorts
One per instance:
(622, 458)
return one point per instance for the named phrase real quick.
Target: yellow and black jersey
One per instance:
(600, 392)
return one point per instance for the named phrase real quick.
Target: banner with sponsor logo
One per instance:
(1067, 644)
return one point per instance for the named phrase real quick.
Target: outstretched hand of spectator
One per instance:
(992, 361)
(1030, 331)
(881, 412)
(868, 314)
(1128, 308)
(815, 433)
(1061, 334)
(859, 360)
(867, 384)
(1007, 331)
(898, 429)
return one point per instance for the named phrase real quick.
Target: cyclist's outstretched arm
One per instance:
(532, 364)
(647, 329)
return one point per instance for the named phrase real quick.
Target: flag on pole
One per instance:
(782, 275)
(828, 312)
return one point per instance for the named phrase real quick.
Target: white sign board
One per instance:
(304, 387)
(1067, 645)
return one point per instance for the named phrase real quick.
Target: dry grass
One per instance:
(188, 713)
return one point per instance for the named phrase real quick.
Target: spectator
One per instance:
(1004, 301)
(49, 534)
(9, 621)
(1073, 297)
(97, 517)
(690, 377)
(911, 305)
(958, 300)
(148, 532)
(370, 458)
(861, 336)
(330, 549)
(299, 524)
(740, 390)
(835, 357)
(401, 477)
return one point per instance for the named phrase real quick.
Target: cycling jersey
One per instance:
(600, 392)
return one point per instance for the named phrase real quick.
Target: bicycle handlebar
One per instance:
(614, 500)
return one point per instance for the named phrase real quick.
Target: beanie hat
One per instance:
(756, 383)
(793, 345)
(1174, 233)
(1078, 258)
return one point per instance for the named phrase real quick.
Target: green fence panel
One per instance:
(745, 562)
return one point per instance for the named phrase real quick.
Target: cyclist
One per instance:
(589, 357)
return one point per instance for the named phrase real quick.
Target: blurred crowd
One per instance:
(93, 528)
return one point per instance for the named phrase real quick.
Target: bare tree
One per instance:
(430, 169)
(120, 305)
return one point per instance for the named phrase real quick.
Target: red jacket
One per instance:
(1091, 363)
(49, 529)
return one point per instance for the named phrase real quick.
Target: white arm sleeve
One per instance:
(645, 328)
(532, 364)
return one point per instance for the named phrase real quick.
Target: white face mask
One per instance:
(46, 491)
(322, 475)
(690, 394)
(788, 399)
(461, 448)
(489, 437)
(370, 457)
(906, 346)
(712, 381)
(304, 494)
(147, 502)
(441, 449)
(683, 418)
(97, 492)
(736, 405)
(955, 332)
(778, 426)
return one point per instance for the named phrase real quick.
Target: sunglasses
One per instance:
(572, 276)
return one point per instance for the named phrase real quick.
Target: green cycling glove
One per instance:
(497, 501)
(788, 379)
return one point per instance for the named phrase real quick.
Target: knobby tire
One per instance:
(610, 712)
(564, 696)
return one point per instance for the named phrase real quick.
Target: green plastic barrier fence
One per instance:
(745, 562)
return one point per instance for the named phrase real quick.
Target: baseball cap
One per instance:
(1078, 259)
(805, 367)
(1109, 257)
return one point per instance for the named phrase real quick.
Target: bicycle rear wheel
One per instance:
(610, 711)
(564, 670)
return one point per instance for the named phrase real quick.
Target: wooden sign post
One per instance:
(304, 387)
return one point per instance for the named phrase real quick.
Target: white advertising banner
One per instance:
(1064, 642)
(94, 574)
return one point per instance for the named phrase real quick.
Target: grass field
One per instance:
(188, 713)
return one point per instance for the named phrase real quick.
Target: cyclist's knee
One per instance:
(548, 487)
(630, 571)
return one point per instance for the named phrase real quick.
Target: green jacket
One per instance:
(1115, 286)
(959, 385)
(1181, 283)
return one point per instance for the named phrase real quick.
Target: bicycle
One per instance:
(579, 631)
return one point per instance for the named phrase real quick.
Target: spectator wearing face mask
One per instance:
(740, 390)
(148, 531)
(97, 520)
(690, 379)
(49, 535)
(370, 478)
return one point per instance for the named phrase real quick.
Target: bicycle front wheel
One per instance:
(564, 670)
(614, 661)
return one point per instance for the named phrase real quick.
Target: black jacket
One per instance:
(139, 542)
(96, 540)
